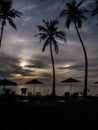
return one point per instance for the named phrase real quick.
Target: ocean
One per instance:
(45, 89)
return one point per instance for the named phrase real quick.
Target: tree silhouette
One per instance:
(95, 11)
(7, 13)
(74, 13)
(49, 34)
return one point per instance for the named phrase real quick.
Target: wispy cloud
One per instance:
(87, 3)
(54, 7)
(28, 8)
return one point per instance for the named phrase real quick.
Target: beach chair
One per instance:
(29, 94)
(75, 95)
(67, 96)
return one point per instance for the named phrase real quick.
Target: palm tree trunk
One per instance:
(1, 35)
(86, 63)
(52, 59)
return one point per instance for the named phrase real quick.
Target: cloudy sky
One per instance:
(21, 57)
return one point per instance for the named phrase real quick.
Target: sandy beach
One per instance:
(79, 115)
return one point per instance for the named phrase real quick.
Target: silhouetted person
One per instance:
(23, 91)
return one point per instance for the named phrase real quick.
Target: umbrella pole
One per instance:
(4, 87)
(70, 89)
(34, 88)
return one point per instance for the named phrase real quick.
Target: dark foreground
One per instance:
(74, 114)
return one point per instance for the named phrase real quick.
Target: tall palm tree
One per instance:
(49, 34)
(95, 11)
(7, 13)
(74, 13)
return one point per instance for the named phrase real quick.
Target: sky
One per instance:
(21, 57)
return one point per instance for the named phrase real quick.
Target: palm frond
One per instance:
(46, 23)
(61, 35)
(68, 23)
(83, 17)
(56, 48)
(42, 28)
(41, 34)
(95, 10)
(45, 44)
(14, 13)
(12, 24)
(79, 23)
(55, 22)
(63, 13)
(74, 13)
(85, 11)
(80, 3)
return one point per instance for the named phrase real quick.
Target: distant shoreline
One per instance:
(46, 90)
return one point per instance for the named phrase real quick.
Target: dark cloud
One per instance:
(8, 59)
(37, 64)
(23, 72)
(7, 62)
(47, 77)
(4, 74)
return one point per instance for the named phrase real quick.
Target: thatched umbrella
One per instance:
(70, 80)
(34, 81)
(6, 82)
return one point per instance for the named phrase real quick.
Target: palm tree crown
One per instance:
(7, 13)
(74, 14)
(95, 11)
(49, 33)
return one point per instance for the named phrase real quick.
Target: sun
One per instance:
(23, 64)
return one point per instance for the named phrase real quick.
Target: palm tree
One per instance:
(49, 34)
(95, 11)
(75, 14)
(7, 13)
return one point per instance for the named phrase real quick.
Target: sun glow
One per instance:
(67, 65)
(23, 64)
